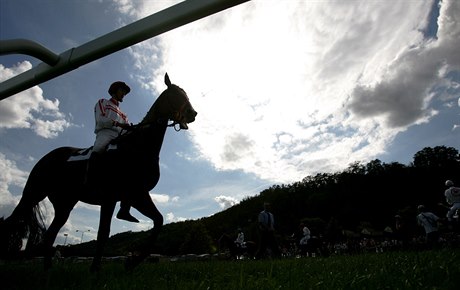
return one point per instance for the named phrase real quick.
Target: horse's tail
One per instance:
(26, 222)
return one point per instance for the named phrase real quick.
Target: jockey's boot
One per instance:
(123, 213)
(92, 169)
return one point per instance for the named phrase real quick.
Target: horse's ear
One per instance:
(167, 80)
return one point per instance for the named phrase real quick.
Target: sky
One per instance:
(283, 90)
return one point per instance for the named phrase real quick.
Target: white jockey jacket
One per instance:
(107, 115)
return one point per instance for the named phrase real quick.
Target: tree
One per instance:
(197, 240)
(437, 157)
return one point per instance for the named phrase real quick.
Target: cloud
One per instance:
(236, 147)
(407, 85)
(170, 218)
(163, 198)
(10, 175)
(29, 109)
(225, 201)
(160, 198)
(406, 88)
(313, 91)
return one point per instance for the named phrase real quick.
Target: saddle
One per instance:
(85, 153)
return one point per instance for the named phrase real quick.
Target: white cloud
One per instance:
(324, 85)
(406, 89)
(163, 198)
(225, 201)
(29, 109)
(10, 175)
(87, 206)
(170, 218)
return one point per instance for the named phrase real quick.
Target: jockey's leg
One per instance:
(103, 139)
(124, 214)
(92, 169)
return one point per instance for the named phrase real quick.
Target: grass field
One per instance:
(437, 269)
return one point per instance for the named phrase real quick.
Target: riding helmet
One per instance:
(119, 85)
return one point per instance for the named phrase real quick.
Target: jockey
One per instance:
(110, 122)
(453, 199)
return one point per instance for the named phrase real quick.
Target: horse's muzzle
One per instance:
(189, 117)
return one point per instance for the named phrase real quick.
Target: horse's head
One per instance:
(174, 105)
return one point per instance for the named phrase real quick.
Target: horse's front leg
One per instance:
(107, 210)
(145, 206)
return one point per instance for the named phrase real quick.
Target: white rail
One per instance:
(55, 65)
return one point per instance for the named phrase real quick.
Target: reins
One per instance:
(148, 124)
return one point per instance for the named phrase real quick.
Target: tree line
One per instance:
(361, 196)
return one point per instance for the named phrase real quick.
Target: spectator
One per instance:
(267, 240)
(453, 199)
(429, 221)
(401, 231)
(240, 243)
(306, 235)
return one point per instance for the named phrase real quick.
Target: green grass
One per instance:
(394, 270)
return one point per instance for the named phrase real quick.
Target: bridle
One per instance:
(177, 129)
(179, 116)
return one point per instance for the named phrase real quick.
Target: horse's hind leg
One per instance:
(61, 214)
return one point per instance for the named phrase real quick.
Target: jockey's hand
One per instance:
(125, 126)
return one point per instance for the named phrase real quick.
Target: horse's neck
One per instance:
(157, 123)
(156, 112)
(156, 135)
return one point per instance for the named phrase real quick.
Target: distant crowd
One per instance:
(438, 232)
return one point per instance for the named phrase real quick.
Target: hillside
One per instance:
(362, 196)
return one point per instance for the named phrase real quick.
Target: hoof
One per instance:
(127, 217)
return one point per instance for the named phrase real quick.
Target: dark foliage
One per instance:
(363, 195)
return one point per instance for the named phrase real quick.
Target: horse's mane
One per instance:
(150, 116)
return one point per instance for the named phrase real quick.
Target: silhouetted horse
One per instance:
(133, 169)
(235, 251)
